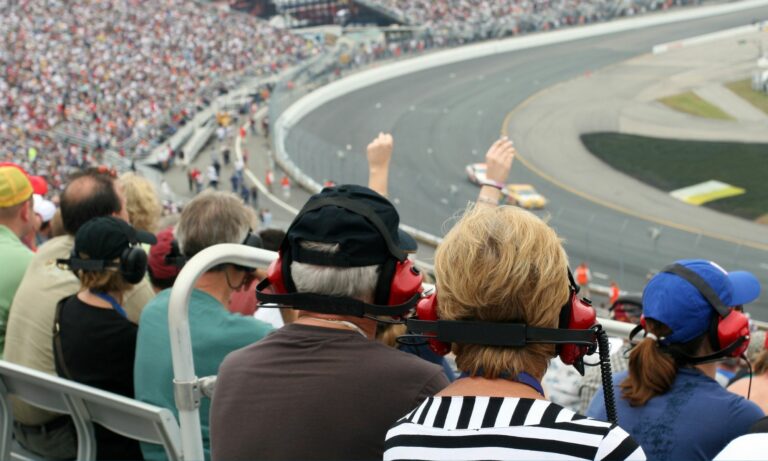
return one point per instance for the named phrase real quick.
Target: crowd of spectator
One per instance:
(323, 372)
(447, 21)
(322, 366)
(78, 77)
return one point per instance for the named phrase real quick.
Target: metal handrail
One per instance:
(186, 385)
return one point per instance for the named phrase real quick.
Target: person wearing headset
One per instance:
(497, 409)
(328, 387)
(503, 267)
(670, 401)
(93, 340)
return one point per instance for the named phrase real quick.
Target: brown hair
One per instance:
(652, 371)
(502, 265)
(105, 280)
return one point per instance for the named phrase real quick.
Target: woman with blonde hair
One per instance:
(502, 269)
(142, 202)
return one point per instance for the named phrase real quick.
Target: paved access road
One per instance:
(446, 117)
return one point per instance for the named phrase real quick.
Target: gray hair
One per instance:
(211, 218)
(352, 282)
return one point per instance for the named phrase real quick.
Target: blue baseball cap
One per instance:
(670, 299)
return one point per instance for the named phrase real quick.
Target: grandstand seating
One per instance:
(86, 405)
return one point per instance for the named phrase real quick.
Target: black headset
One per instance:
(176, 258)
(132, 264)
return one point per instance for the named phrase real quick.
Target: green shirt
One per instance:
(215, 332)
(15, 257)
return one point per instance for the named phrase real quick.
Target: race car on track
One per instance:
(524, 195)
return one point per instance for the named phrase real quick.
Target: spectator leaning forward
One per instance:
(94, 342)
(89, 194)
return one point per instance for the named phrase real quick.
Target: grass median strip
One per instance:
(691, 103)
(670, 164)
(743, 88)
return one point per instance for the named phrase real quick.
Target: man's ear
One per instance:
(27, 212)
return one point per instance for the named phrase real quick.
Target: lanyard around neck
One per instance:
(112, 301)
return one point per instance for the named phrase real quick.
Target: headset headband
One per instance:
(499, 334)
(325, 304)
(356, 207)
(700, 284)
(90, 265)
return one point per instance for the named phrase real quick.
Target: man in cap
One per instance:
(29, 339)
(329, 388)
(211, 218)
(17, 219)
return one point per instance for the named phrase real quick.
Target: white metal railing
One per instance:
(187, 387)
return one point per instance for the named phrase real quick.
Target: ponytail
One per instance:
(651, 373)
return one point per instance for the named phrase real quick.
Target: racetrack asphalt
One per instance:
(445, 118)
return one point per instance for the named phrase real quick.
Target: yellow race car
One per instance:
(524, 195)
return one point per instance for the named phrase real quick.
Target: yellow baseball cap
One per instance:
(15, 187)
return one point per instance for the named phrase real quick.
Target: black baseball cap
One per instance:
(364, 224)
(106, 237)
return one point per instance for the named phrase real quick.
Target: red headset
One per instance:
(729, 329)
(574, 336)
(399, 281)
(397, 291)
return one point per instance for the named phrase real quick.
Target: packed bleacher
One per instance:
(449, 21)
(79, 77)
(340, 349)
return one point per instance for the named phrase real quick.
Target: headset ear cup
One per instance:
(133, 264)
(581, 316)
(275, 276)
(406, 282)
(731, 329)
(426, 309)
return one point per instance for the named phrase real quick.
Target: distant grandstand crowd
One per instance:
(466, 20)
(77, 77)
(81, 77)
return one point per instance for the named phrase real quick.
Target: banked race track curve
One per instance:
(445, 118)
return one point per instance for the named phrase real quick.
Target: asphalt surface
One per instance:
(445, 118)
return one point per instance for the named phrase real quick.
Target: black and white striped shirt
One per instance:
(474, 428)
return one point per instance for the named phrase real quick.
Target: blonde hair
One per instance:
(142, 202)
(502, 265)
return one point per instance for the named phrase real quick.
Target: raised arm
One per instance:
(379, 154)
(498, 161)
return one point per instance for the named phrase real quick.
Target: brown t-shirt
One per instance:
(310, 393)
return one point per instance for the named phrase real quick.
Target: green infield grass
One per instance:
(672, 164)
(744, 89)
(690, 103)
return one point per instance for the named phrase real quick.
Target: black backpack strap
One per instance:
(58, 352)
